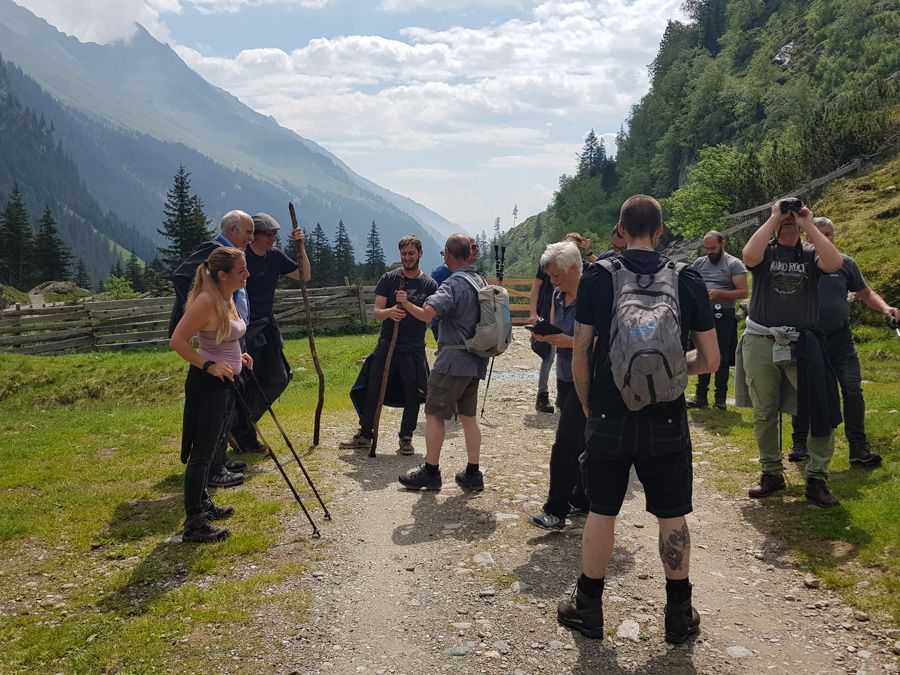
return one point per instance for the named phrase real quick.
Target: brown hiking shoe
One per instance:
(406, 447)
(357, 441)
(582, 613)
(860, 455)
(818, 493)
(768, 484)
(682, 621)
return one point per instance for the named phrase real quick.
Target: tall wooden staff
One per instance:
(310, 333)
(384, 381)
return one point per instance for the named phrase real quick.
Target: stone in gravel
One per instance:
(643, 575)
(557, 644)
(864, 654)
(488, 593)
(897, 647)
(456, 650)
(491, 654)
(812, 582)
(518, 587)
(483, 559)
(738, 652)
(860, 616)
(790, 597)
(462, 625)
(629, 630)
(506, 516)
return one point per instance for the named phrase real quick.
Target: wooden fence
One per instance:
(519, 290)
(143, 322)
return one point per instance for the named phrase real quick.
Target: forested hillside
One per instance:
(748, 100)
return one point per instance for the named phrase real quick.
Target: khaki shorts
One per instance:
(449, 394)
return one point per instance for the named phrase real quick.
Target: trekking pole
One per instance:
(499, 259)
(384, 381)
(780, 433)
(240, 399)
(289, 444)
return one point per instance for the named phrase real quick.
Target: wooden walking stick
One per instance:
(310, 333)
(384, 382)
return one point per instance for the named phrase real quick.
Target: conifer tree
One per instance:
(134, 272)
(156, 279)
(321, 257)
(15, 232)
(375, 265)
(117, 270)
(82, 278)
(51, 257)
(344, 258)
(186, 225)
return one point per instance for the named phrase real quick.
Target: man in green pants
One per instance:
(779, 335)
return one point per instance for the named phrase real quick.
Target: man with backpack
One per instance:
(459, 365)
(634, 315)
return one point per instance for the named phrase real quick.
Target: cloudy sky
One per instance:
(467, 106)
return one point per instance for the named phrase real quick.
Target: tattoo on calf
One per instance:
(672, 550)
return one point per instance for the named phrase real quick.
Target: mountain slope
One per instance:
(143, 88)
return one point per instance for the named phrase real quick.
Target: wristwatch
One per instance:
(207, 365)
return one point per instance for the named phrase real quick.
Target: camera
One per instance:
(793, 204)
(717, 310)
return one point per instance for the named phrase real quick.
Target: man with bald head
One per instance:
(237, 232)
(834, 322)
(726, 282)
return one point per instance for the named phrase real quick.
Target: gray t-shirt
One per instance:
(720, 275)
(456, 304)
(785, 287)
(834, 310)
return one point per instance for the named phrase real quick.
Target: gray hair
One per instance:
(822, 221)
(564, 254)
(232, 220)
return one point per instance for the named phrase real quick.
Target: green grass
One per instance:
(90, 492)
(860, 540)
(13, 295)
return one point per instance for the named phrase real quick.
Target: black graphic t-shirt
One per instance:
(411, 334)
(785, 287)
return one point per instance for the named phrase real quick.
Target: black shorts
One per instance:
(452, 394)
(656, 443)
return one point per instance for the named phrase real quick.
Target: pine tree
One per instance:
(15, 233)
(344, 258)
(591, 157)
(321, 257)
(82, 278)
(375, 265)
(156, 279)
(134, 272)
(117, 270)
(51, 257)
(186, 225)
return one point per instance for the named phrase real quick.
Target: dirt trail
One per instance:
(421, 583)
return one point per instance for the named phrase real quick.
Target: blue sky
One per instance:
(467, 106)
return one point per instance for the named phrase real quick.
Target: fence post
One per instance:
(362, 303)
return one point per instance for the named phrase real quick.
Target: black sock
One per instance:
(432, 468)
(471, 468)
(593, 588)
(678, 590)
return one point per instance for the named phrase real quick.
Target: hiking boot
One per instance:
(234, 466)
(799, 452)
(225, 479)
(862, 456)
(214, 512)
(547, 521)
(768, 484)
(697, 403)
(818, 493)
(578, 511)
(406, 446)
(357, 442)
(542, 404)
(246, 446)
(421, 479)
(720, 405)
(470, 481)
(198, 530)
(582, 613)
(682, 621)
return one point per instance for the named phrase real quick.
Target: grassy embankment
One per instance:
(90, 492)
(855, 548)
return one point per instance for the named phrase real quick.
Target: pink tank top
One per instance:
(227, 351)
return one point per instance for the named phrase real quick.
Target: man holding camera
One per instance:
(781, 354)
(726, 282)
(834, 322)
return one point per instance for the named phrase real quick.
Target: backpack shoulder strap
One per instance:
(468, 277)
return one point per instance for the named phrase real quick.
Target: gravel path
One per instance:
(420, 583)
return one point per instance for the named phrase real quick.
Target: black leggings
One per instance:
(211, 403)
(566, 489)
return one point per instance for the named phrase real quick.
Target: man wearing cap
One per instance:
(266, 264)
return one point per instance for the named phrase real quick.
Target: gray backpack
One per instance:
(645, 352)
(494, 330)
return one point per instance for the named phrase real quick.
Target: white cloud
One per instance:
(400, 6)
(231, 6)
(105, 20)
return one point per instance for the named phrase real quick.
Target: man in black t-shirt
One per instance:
(786, 273)
(408, 377)
(266, 265)
(655, 439)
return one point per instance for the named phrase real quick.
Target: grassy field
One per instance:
(90, 492)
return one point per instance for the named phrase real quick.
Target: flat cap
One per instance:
(263, 222)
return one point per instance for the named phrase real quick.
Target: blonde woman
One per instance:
(209, 398)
